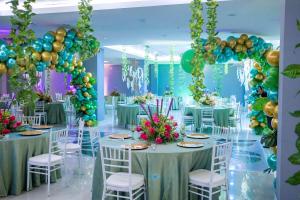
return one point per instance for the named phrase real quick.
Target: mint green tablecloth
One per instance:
(55, 113)
(15, 150)
(221, 115)
(165, 169)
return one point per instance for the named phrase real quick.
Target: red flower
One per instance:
(168, 127)
(19, 123)
(175, 124)
(15, 125)
(6, 121)
(138, 129)
(155, 118)
(5, 131)
(12, 118)
(152, 130)
(147, 123)
(167, 135)
(176, 135)
(158, 140)
(144, 136)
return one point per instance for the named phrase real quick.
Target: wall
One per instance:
(288, 101)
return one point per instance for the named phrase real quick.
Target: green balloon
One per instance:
(186, 60)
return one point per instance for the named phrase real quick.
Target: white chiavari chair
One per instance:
(39, 110)
(30, 120)
(236, 119)
(207, 117)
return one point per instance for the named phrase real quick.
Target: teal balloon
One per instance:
(3, 55)
(48, 37)
(63, 55)
(71, 34)
(272, 161)
(68, 43)
(47, 46)
(37, 47)
(86, 117)
(253, 39)
(11, 62)
(217, 51)
(186, 61)
(39, 41)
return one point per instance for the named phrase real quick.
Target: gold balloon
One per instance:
(86, 79)
(31, 66)
(54, 56)
(79, 35)
(57, 46)
(253, 118)
(89, 123)
(223, 44)
(244, 48)
(79, 63)
(259, 76)
(249, 44)
(244, 37)
(269, 109)
(257, 66)
(273, 58)
(274, 123)
(238, 48)
(276, 111)
(66, 64)
(249, 107)
(89, 74)
(71, 68)
(36, 56)
(254, 123)
(46, 56)
(88, 85)
(83, 108)
(240, 41)
(52, 33)
(61, 31)
(86, 94)
(263, 125)
(21, 62)
(59, 37)
(218, 40)
(3, 69)
(52, 67)
(232, 43)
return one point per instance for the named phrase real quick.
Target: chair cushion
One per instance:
(70, 147)
(201, 177)
(120, 181)
(42, 160)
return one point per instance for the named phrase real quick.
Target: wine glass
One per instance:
(132, 130)
(182, 132)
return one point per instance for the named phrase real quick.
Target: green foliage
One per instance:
(295, 179)
(269, 138)
(292, 71)
(22, 78)
(296, 113)
(90, 45)
(260, 103)
(295, 159)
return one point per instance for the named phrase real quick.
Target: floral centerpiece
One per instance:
(8, 123)
(115, 93)
(208, 100)
(139, 100)
(149, 96)
(158, 128)
(44, 97)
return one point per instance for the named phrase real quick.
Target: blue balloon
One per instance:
(37, 47)
(60, 61)
(63, 54)
(47, 46)
(253, 39)
(71, 34)
(3, 55)
(217, 51)
(229, 53)
(94, 117)
(70, 58)
(11, 62)
(86, 117)
(68, 43)
(48, 37)
(273, 96)
(39, 41)
(230, 38)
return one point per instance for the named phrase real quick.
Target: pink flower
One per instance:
(6, 121)
(6, 131)
(158, 140)
(138, 129)
(12, 118)
(144, 136)
(147, 123)
(175, 124)
(155, 118)
(168, 127)
(152, 130)
(19, 123)
(176, 135)
(15, 125)
(171, 117)
(167, 135)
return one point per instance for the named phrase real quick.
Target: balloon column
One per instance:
(57, 51)
(264, 72)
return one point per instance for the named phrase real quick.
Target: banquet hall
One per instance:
(150, 99)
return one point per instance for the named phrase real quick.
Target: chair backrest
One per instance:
(115, 159)
(221, 132)
(31, 120)
(39, 106)
(58, 96)
(80, 131)
(221, 156)
(56, 140)
(207, 113)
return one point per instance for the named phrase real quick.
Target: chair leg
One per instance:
(103, 193)
(28, 174)
(210, 194)
(48, 180)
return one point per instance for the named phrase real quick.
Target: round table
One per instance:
(55, 113)
(221, 114)
(165, 169)
(15, 150)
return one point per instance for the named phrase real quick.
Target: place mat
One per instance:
(42, 127)
(31, 133)
(190, 144)
(198, 136)
(136, 146)
(119, 136)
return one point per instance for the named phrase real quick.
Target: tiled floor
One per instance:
(247, 180)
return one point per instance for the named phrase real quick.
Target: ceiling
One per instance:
(167, 26)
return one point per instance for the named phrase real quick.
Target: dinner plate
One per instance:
(42, 127)
(120, 136)
(31, 133)
(198, 136)
(136, 146)
(190, 144)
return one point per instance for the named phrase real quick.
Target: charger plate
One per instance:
(31, 133)
(120, 136)
(190, 144)
(198, 136)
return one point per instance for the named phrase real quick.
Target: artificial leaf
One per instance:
(292, 71)
(298, 144)
(298, 24)
(295, 159)
(297, 129)
(295, 113)
(260, 103)
(295, 179)
(297, 45)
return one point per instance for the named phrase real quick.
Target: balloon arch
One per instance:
(58, 51)
(263, 74)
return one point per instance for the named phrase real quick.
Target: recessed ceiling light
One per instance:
(231, 15)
